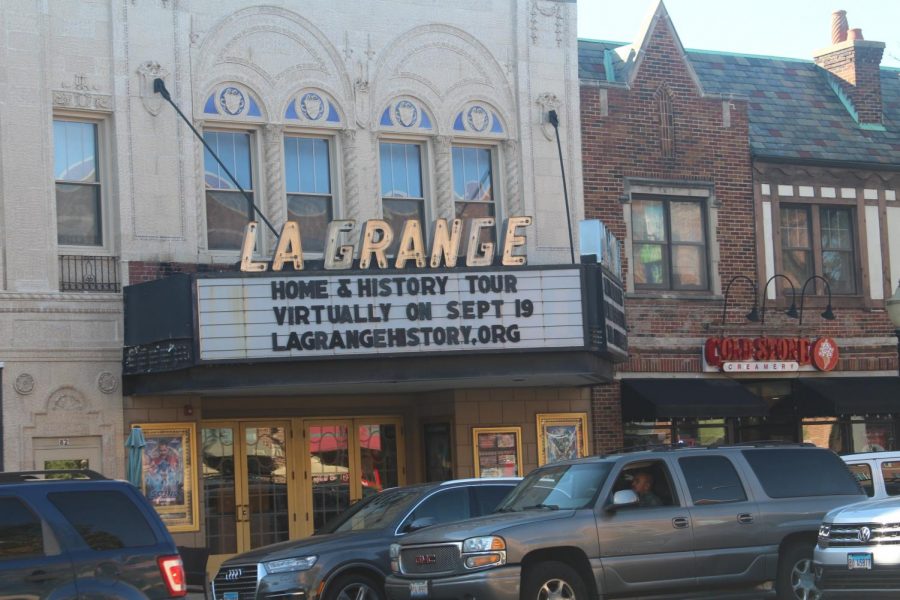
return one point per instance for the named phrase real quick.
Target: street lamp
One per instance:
(893, 310)
(792, 311)
(828, 314)
(753, 315)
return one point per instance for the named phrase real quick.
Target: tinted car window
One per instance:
(558, 487)
(712, 480)
(891, 473)
(105, 520)
(21, 534)
(488, 497)
(793, 473)
(444, 506)
(863, 474)
(375, 512)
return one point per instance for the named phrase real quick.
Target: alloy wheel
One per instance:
(556, 589)
(357, 591)
(803, 581)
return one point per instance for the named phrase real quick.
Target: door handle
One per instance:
(243, 513)
(745, 518)
(680, 523)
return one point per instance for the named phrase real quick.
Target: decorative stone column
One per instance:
(443, 182)
(350, 148)
(276, 200)
(514, 205)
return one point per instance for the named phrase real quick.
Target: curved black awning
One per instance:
(661, 399)
(835, 396)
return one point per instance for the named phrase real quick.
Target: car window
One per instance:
(105, 520)
(712, 480)
(801, 472)
(556, 487)
(444, 506)
(21, 534)
(863, 474)
(375, 512)
(486, 498)
(651, 481)
(891, 473)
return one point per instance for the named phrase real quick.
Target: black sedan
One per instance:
(348, 559)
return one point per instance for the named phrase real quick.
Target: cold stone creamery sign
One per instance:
(769, 354)
(344, 315)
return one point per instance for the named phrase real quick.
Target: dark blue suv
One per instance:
(75, 534)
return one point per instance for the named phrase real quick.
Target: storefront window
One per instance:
(699, 432)
(871, 436)
(650, 433)
(824, 432)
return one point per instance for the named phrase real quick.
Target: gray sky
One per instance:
(790, 28)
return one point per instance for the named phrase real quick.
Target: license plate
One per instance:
(862, 560)
(418, 589)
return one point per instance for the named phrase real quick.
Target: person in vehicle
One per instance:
(642, 485)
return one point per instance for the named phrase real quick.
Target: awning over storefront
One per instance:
(835, 396)
(662, 399)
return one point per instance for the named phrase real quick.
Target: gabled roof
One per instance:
(794, 111)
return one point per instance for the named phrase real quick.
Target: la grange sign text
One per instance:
(378, 236)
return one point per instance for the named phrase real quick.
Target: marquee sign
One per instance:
(342, 315)
(769, 354)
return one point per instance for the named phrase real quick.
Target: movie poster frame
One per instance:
(183, 516)
(476, 450)
(578, 420)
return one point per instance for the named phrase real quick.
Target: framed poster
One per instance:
(498, 451)
(169, 473)
(438, 460)
(561, 436)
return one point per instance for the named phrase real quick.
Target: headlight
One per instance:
(484, 544)
(482, 552)
(395, 550)
(301, 563)
(395, 558)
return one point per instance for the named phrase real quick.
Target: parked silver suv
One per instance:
(718, 522)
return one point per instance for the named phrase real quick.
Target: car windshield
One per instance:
(375, 512)
(559, 487)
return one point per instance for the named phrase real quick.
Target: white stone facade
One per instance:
(509, 61)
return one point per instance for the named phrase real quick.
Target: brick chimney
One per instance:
(856, 63)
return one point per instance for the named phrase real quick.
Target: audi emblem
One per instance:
(233, 574)
(426, 559)
(865, 534)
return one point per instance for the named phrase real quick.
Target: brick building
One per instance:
(738, 183)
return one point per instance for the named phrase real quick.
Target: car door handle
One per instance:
(680, 523)
(745, 518)
(40, 577)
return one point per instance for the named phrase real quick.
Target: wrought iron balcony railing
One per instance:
(79, 273)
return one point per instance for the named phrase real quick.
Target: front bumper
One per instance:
(500, 583)
(836, 581)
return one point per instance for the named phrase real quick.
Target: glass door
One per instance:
(219, 475)
(379, 452)
(265, 512)
(328, 447)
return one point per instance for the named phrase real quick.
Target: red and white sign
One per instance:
(769, 354)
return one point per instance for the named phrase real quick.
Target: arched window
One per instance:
(666, 122)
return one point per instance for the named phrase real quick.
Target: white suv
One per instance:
(878, 473)
(858, 552)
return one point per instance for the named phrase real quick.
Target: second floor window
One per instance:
(669, 245)
(473, 190)
(307, 167)
(227, 210)
(79, 210)
(818, 240)
(402, 193)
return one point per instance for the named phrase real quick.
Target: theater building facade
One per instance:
(757, 201)
(271, 399)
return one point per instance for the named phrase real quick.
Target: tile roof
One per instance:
(794, 112)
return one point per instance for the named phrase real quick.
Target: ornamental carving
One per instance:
(107, 382)
(24, 384)
(66, 399)
(554, 12)
(82, 100)
(547, 101)
(147, 72)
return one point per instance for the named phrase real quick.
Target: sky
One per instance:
(789, 28)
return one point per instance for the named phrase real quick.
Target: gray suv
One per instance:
(718, 522)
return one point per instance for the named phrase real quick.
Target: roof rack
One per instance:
(49, 475)
(763, 444)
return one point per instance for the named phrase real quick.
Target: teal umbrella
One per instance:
(135, 445)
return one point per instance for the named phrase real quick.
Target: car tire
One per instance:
(554, 580)
(354, 586)
(796, 578)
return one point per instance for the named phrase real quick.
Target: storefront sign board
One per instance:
(769, 354)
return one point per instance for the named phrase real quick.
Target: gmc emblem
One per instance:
(426, 559)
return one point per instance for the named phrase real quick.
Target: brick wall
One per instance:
(858, 66)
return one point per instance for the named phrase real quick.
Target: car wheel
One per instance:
(354, 587)
(553, 581)
(796, 578)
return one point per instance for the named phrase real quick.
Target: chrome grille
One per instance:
(429, 559)
(235, 578)
(850, 535)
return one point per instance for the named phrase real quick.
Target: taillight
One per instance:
(172, 570)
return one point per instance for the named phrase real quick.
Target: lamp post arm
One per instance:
(803, 292)
(766, 288)
(728, 288)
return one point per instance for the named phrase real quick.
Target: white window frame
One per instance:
(104, 163)
(426, 161)
(496, 179)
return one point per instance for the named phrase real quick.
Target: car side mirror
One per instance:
(421, 523)
(623, 498)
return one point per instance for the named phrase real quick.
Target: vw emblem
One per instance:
(233, 574)
(865, 534)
